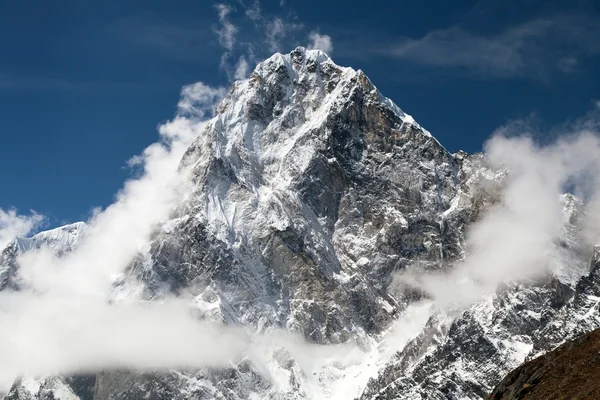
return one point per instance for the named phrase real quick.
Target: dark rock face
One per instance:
(310, 190)
(81, 387)
(569, 372)
(467, 357)
(8, 261)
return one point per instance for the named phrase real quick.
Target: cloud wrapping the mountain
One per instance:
(516, 238)
(63, 320)
(13, 224)
(66, 318)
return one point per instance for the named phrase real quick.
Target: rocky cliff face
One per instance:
(310, 190)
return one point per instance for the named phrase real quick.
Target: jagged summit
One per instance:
(299, 65)
(298, 115)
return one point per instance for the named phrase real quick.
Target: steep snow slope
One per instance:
(310, 190)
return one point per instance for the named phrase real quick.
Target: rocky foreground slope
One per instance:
(567, 373)
(311, 190)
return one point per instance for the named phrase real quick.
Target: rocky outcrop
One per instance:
(571, 371)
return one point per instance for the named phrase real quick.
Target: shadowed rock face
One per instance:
(310, 190)
(572, 371)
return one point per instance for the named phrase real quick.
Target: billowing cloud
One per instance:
(61, 320)
(13, 224)
(320, 42)
(62, 334)
(516, 238)
(199, 100)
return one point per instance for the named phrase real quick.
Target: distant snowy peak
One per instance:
(60, 239)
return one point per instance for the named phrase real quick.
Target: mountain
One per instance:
(311, 190)
(568, 372)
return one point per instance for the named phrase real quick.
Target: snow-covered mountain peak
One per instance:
(302, 77)
(300, 116)
(61, 239)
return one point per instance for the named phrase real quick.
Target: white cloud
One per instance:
(63, 334)
(226, 31)
(125, 226)
(254, 12)
(516, 238)
(61, 321)
(275, 31)
(242, 68)
(13, 224)
(198, 100)
(320, 42)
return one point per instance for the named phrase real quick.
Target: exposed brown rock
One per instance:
(572, 371)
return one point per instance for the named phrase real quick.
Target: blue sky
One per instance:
(83, 85)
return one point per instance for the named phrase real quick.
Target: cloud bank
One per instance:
(516, 238)
(13, 224)
(62, 319)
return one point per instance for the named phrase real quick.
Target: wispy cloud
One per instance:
(176, 40)
(276, 31)
(239, 40)
(534, 49)
(242, 68)
(225, 31)
(254, 12)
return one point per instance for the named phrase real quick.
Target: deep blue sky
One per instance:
(84, 84)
